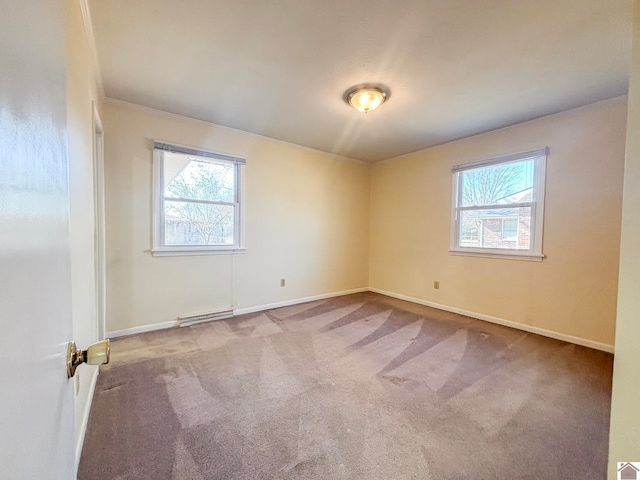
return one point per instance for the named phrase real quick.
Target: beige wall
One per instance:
(624, 444)
(307, 220)
(573, 290)
(82, 93)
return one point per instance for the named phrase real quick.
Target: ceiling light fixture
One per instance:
(365, 98)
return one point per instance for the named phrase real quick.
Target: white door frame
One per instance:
(99, 222)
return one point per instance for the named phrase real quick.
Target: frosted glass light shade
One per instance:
(366, 99)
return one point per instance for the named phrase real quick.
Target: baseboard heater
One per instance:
(187, 320)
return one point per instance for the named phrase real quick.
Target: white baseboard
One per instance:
(240, 311)
(501, 321)
(480, 316)
(296, 301)
(93, 379)
(142, 329)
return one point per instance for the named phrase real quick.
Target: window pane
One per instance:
(187, 223)
(189, 177)
(508, 228)
(498, 184)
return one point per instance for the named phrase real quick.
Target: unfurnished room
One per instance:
(303, 239)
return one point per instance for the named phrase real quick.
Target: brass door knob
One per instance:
(96, 354)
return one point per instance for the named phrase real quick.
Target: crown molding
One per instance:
(155, 111)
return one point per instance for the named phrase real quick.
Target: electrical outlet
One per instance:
(436, 285)
(282, 282)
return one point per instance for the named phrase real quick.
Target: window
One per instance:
(197, 201)
(510, 229)
(498, 206)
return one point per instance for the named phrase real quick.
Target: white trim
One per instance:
(158, 248)
(508, 158)
(241, 311)
(240, 210)
(501, 321)
(497, 253)
(91, 41)
(85, 415)
(186, 251)
(480, 316)
(540, 179)
(534, 253)
(99, 222)
(141, 329)
(498, 206)
(456, 199)
(296, 301)
(157, 200)
(533, 121)
(150, 110)
(181, 149)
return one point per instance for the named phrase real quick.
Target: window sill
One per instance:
(186, 251)
(510, 255)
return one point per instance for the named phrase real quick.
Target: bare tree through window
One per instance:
(485, 186)
(199, 204)
(489, 186)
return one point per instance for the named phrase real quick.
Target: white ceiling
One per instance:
(280, 67)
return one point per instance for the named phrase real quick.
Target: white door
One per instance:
(36, 399)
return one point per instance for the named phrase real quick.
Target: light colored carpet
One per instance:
(356, 387)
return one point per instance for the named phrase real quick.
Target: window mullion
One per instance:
(501, 206)
(195, 200)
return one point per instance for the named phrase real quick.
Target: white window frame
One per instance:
(534, 253)
(159, 248)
